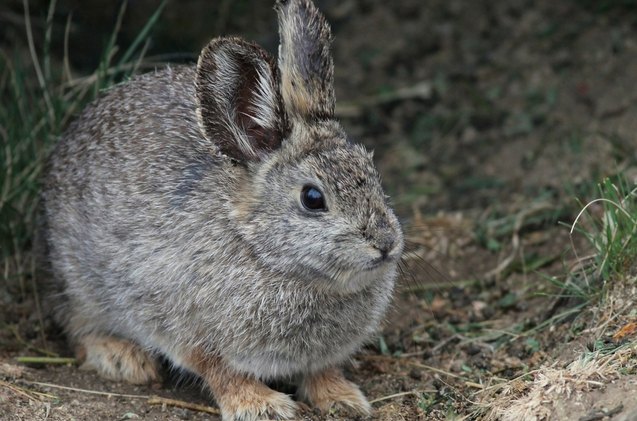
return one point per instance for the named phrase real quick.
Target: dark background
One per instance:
(493, 123)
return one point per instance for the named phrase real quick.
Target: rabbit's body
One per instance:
(218, 217)
(190, 279)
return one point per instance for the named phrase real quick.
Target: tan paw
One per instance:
(117, 359)
(240, 397)
(257, 403)
(330, 390)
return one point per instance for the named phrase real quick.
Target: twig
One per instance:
(90, 392)
(151, 399)
(437, 370)
(45, 360)
(444, 342)
(413, 354)
(397, 395)
(421, 90)
(30, 394)
(474, 385)
(415, 364)
(618, 110)
(15, 389)
(158, 400)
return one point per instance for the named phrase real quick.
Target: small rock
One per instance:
(415, 374)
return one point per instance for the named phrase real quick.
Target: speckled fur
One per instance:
(172, 220)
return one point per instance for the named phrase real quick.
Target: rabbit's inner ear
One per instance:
(256, 108)
(305, 60)
(239, 106)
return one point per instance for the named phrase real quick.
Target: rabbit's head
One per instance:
(310, 201)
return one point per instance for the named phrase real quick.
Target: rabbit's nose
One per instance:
(384, 249)
(380, 234)
(385, 245)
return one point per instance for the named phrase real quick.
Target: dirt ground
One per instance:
(489, 119)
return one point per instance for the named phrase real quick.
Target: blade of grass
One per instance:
(36, 61)
(143, 35)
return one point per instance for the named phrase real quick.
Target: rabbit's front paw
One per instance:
(330, 390)
(241, 397)
(257, 402)
(117, 359)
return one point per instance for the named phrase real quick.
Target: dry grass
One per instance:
(534, 395)
(16, 392)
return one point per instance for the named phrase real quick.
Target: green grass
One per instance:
(609, 223)
(37, 100)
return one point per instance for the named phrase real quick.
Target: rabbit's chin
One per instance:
(354, 280)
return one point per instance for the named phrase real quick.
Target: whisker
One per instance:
(404, 271)
(431, 272)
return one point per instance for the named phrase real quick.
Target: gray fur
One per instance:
(177, 236)
(307, 69)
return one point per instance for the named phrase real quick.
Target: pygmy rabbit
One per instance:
(218, 215)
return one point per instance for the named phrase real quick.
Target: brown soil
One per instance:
(488, 120)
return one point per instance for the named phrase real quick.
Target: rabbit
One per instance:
(219, 216)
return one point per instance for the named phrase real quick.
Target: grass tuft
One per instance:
(38, 98)
(609, 223)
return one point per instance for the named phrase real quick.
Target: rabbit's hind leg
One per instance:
(117, 359)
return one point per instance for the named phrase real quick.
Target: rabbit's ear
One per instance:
(305, 61)
(239, 104)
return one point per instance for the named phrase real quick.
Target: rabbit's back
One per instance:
(118, 183)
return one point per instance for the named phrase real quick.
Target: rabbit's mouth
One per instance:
(371, 274)
(385, 256)
(357, 277)
(377, 263)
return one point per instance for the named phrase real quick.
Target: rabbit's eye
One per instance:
(312, 199)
